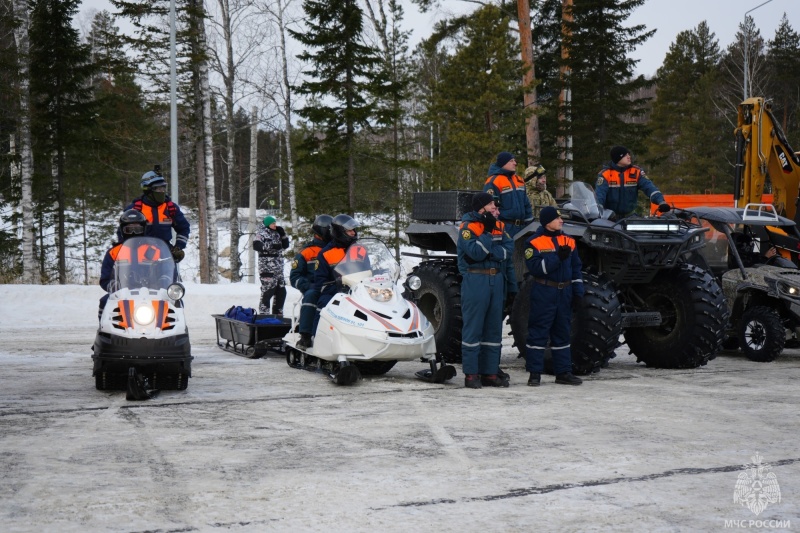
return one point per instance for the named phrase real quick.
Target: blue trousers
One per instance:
(481, 335)
(550, 318)
(308, 312)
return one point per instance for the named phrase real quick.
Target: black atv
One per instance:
(639, 277)
(761, 286)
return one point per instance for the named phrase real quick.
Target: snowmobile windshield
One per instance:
(582, 200)
(144, 262)
(366, 258)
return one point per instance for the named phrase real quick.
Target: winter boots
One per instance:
(568, 379)
(534, 380)
(494, 380)
(472, 381)
(305, 341)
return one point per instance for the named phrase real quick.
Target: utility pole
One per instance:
(529, 97)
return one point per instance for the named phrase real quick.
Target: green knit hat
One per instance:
(269, 221)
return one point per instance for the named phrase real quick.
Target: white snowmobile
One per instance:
(368, 326)
(143, 342)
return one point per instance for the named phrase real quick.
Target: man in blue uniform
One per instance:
(485, 262)
(305, 262)
(508, 191)
(619, 183)
(552, 260)
(162, 213)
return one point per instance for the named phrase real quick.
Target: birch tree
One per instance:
(30, 273)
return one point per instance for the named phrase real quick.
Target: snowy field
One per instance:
(254, 445)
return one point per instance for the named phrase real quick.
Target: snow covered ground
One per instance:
(254, 445)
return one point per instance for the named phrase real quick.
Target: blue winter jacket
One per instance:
(477, 249)
(161, 218)
(542, 261)
(618, 189)
(508, 190)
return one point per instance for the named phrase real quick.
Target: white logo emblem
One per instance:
(757, 486)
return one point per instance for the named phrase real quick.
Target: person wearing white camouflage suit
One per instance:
(269, 242)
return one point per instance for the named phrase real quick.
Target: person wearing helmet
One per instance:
(132, 223)
(343, 246)
(538, 194)
(270, 242)
(163, 215)
(305, 262)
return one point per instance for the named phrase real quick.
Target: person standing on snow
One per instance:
(552, 259)
(619, 183)
(508, 191)
(538, 195)
(162, 214)
(485, 252)
(270, 242)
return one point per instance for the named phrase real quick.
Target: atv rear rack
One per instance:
(251, 340)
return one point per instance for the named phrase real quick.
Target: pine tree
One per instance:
(342, 83)
(689, 134)
(603, 108)
(61, 72)
(477, 99)
(783, 63)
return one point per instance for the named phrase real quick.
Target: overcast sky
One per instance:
(669, 17)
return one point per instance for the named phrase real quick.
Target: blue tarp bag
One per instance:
(268, 320)
(243, 314)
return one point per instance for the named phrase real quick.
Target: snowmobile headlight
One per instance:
(144, 314)
(380, 295)
(176, 291)
(789, 290)
(414, 283)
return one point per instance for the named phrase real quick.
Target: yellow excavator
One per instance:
(762, 152)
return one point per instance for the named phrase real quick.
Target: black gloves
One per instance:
(280, 231)
(576, 301)
(563, 252)
(664, 208)
(258, 246)
(489, 222)
(178, 254)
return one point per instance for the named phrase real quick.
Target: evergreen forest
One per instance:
(322, 106)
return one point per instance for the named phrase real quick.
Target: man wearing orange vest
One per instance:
(552, 259)
(508, 191)
(485, 262)
(162, 213)
(132, 223)
(619, 183)
(343, 246)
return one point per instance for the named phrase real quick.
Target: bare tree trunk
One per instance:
(62, 222)
(30, 273)
(251, 253)
(529, 96)
(202, 196)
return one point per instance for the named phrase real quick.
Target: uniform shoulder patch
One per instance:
(528, 253)
(600, 180)
(466, 234)
(294, 264)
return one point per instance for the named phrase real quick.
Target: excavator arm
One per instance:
(762, 152)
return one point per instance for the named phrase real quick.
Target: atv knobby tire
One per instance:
(439, 299)
(374, 368)
(761, 333)
(693, 314)
(596, 326)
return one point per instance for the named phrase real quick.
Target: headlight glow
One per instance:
(380, 295)
(176, 291)
(144, 314)
(789, 290)
(414, 283)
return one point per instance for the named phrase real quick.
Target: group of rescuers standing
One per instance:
(485, 260)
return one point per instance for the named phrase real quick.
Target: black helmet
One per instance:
(132, 223)
(322, 227)
(340, 225)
